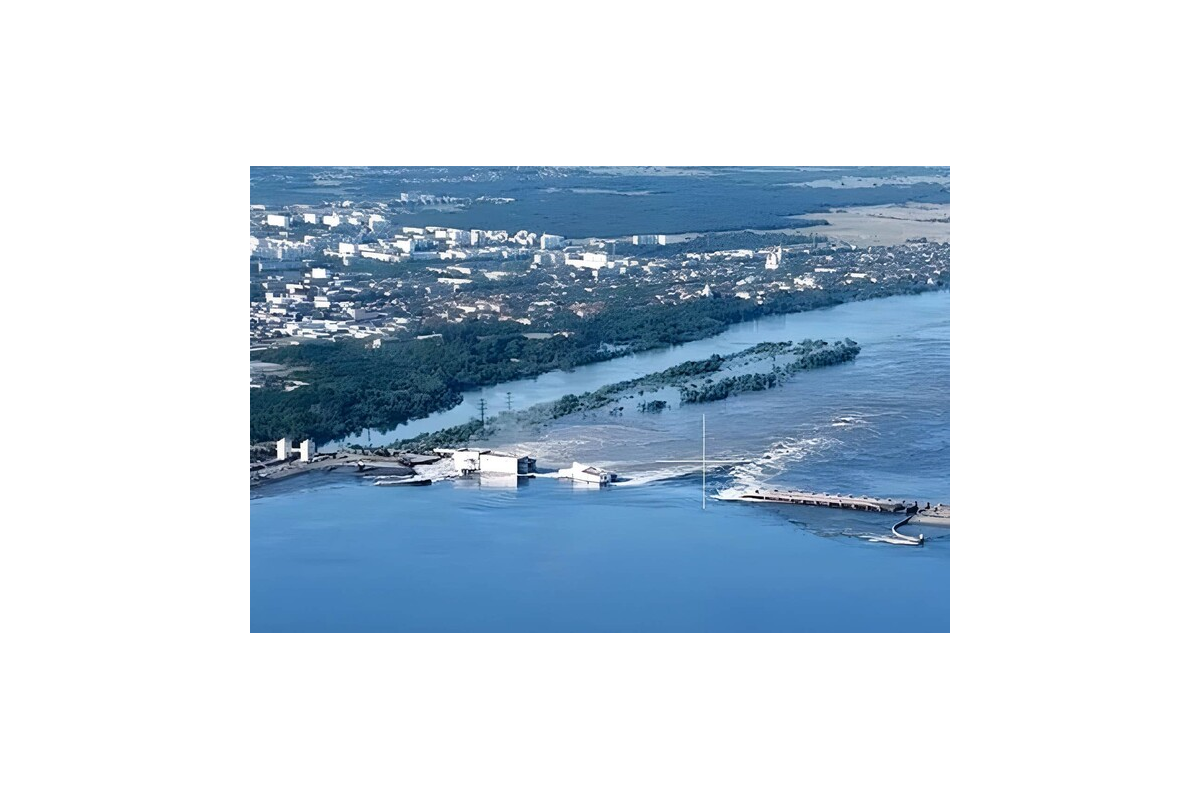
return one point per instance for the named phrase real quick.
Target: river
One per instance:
(342, 555)
(867, 321)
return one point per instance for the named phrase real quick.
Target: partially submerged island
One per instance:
(368, 351)
(690, 382)
(685, 383)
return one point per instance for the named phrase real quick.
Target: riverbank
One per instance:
(690, 382)
(343, 463)
(830, 323)
(351, 388)
(850, 425)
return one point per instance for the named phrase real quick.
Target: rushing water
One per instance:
(643, 555)
(870, 321)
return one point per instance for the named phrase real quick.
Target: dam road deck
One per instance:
(830, 501)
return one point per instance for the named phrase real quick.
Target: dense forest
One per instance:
(580, 202)
(352, 388)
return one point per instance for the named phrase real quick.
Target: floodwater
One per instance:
(644, 555)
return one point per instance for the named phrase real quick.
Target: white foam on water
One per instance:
(853, 417)
(438, 470)
(859, 420)
(778, 459)
(641, 478)
(888, 540)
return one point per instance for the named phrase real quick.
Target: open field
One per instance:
(886, 225)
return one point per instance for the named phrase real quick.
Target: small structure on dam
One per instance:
(584, 473)
(468, 460)
(284, 450)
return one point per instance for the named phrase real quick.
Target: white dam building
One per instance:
(468, 460)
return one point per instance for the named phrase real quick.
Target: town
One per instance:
(705, 383)
(353, 271)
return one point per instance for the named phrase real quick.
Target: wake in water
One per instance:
(640, 475)
(798, 437)
(641, 454)
(779, 458)
(916, 536)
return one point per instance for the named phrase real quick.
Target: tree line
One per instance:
(352, 388)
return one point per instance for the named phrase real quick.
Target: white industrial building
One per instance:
(774, 257)
(284, 450)
(586, 474)
(547, 259)
(332, 220)
(551, 242)
(377, 256)
(277, 220)
(413, 244)
(596, 261)
(468, 460)
(279, 248)
(506, 463)
(465, 460)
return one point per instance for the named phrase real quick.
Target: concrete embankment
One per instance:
(345, 463)
(939, 517)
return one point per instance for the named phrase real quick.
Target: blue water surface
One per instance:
(547, 556)
(343, 555)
